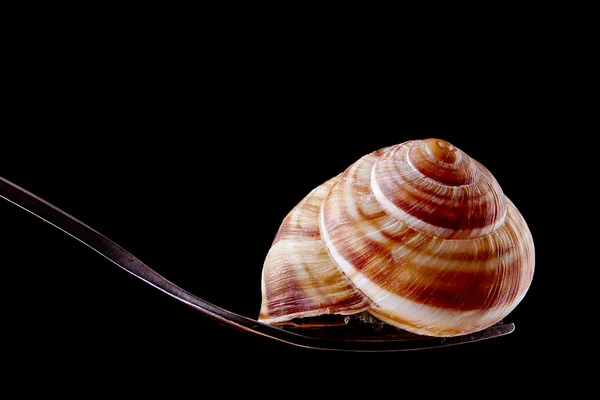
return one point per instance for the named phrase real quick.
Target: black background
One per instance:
(190, 157)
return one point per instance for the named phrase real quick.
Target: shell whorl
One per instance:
(438, 189)
(421, 231)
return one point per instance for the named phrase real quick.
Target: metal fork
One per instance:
(340, 338)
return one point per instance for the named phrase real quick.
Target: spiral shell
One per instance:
(419, 234)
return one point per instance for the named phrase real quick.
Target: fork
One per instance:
(348, 337)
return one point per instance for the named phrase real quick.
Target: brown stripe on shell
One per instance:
(465, 211)
(450, 289)
(299, 277)
(461, 172)
(459, 214)
(288, 230)
(408, 239)
(290, 296)
(434, 284)
(337, 216)
(284, 293)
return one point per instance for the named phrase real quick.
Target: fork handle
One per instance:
(118, 255)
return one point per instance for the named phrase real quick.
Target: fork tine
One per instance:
(384, 344)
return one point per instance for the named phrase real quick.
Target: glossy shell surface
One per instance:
(419, 234)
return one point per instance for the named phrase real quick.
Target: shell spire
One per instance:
(418, 234)
(438, 189)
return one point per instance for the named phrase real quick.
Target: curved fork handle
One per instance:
(115, 253)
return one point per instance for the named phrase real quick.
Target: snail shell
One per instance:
(419, 235)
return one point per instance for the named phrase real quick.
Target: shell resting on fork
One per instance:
(418, 235)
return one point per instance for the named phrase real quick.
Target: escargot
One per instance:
(418, 235)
